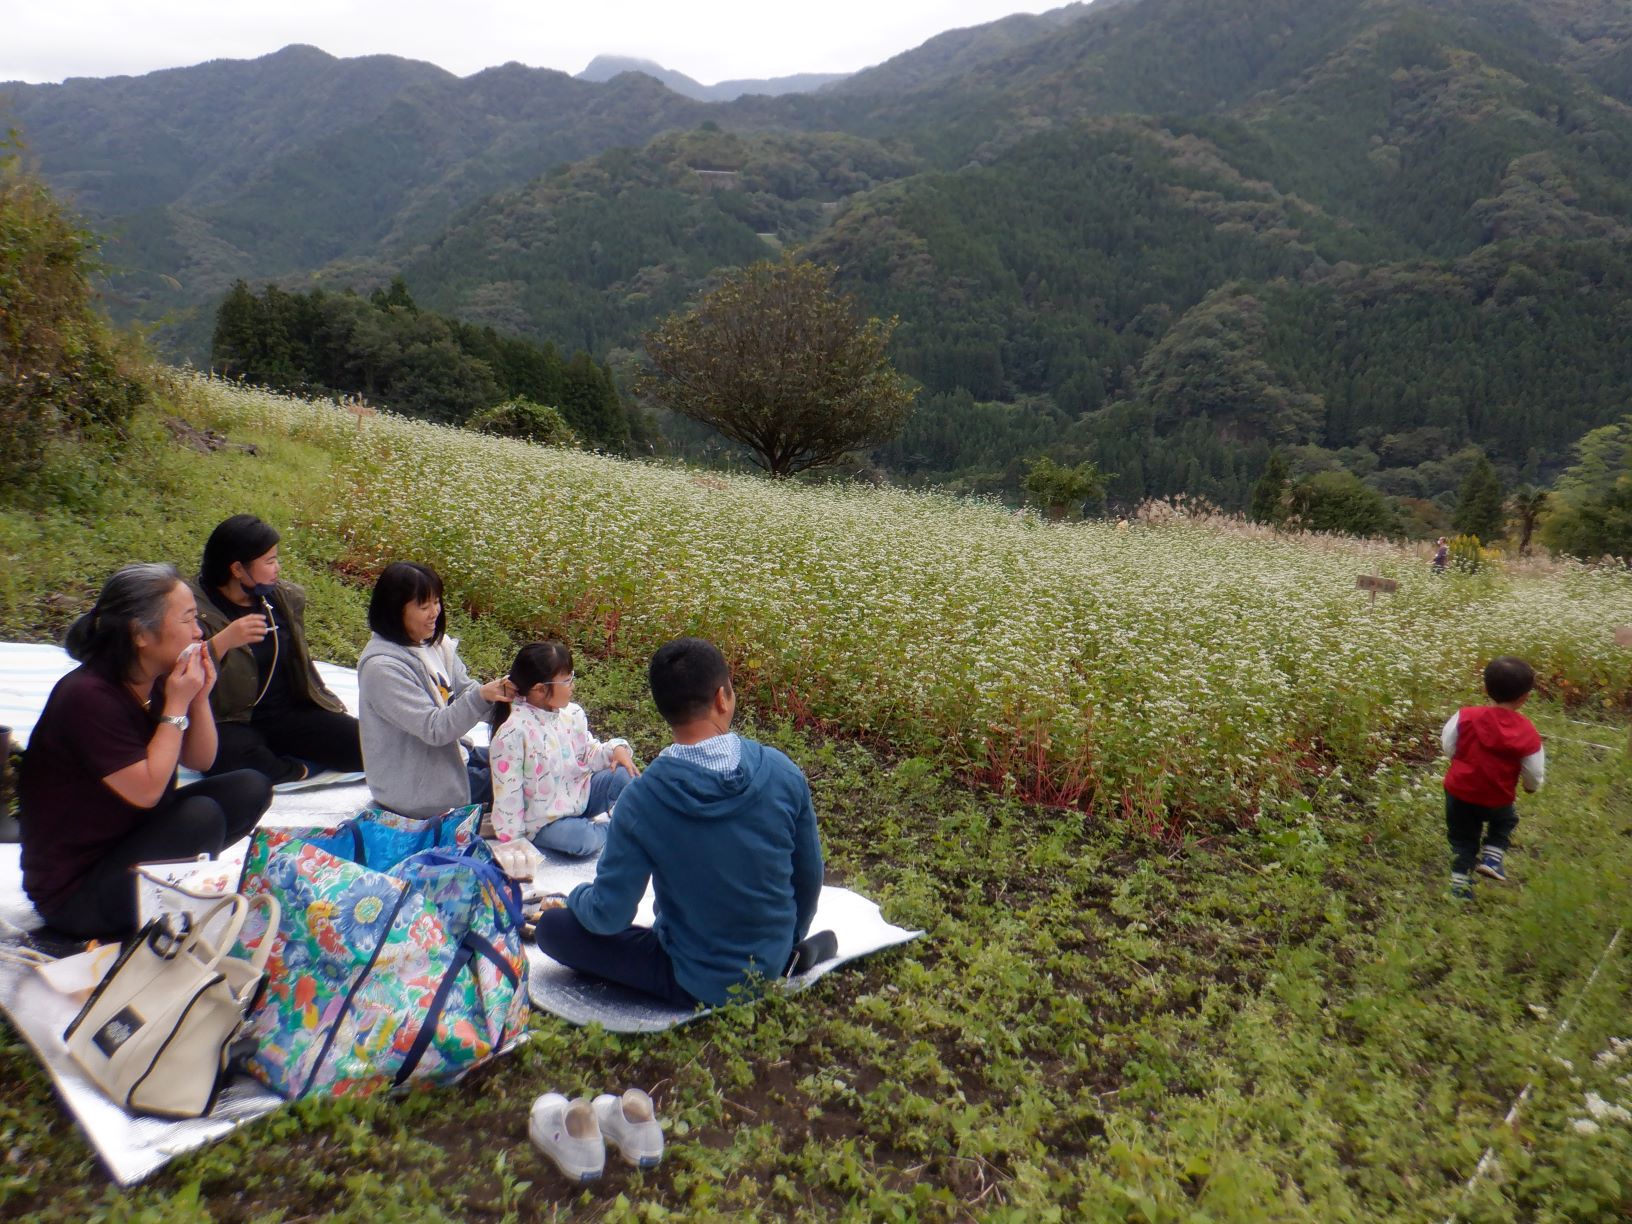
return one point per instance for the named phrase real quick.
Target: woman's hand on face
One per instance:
(186, 680)
(211, 674)
(245, 631)
(622, 756)
(498, 690)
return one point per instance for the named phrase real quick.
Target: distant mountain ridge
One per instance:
(604, 67)
(1164, 234)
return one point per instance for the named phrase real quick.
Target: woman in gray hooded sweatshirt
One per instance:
(416, 699)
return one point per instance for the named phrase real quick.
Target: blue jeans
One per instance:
(633, 957)
(578, 835)
(480, 772)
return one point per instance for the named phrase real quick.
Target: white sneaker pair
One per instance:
(575, 1134)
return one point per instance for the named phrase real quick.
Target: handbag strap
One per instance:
(509, 892)
(195, 940)
(241, 907)
(274, 918)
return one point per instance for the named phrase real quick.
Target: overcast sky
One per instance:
(709, 40)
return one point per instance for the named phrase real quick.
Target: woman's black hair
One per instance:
(242, 538)
(136, 597)
(403, 583)
(536, 663)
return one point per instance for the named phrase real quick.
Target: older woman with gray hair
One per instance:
(97, 792)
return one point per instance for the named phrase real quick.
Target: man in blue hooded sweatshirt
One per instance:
(724, 829)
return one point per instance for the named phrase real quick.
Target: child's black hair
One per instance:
(1508, 678)
(536, 663)
(684, 675)
(403, 583)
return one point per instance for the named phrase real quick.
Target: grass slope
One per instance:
(1285, 1021)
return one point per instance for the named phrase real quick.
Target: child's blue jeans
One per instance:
(578, 835)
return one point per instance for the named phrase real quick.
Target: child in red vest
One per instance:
(1492, 747)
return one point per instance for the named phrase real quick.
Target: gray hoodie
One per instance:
(410, 741)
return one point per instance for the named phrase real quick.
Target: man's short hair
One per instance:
(684, 675)
(1508, 678)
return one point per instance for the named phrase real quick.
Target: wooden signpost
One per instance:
(1372, 583)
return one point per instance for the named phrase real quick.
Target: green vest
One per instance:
(238, 681)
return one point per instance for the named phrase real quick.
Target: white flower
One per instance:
(1604, 1111)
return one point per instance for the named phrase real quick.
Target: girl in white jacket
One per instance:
(551, 777)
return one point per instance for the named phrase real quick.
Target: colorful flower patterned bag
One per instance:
(400, 956)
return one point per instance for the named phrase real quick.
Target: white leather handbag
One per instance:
(155, 1034)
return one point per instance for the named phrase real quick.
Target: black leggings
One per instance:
(203, 818)
(277, 744)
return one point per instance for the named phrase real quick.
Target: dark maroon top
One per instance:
(91, 727)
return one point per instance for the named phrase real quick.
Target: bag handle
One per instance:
(274, 919)
(508, 890)
(241, 907)
(193, 936)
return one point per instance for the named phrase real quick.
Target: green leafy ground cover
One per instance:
(1272, 1019)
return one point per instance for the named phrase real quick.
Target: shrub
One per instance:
(523, 419)
(1061, 489)
(62, 372)
(1468, 556)
(1339, 502)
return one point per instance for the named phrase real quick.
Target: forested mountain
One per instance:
(197, 135)
(1169, 235)
(605, 67)
(279, 166)
(593, 254)
(957, 52)
(1198, 289)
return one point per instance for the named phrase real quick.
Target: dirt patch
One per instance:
(205, 441)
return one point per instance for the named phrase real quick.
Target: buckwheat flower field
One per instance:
(1164, 671)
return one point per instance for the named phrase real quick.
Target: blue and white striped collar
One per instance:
(718, 753)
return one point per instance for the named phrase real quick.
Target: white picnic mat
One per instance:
(856, 921)
(29, 671)
(132, 1147)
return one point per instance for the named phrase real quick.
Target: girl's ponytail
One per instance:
(536, 663)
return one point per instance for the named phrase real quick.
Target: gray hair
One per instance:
(134, 598)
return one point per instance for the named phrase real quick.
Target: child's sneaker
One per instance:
(1461, 886)
(630, 1124)
(1490, 865)
(569, 1133)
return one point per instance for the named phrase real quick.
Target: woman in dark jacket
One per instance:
(272, 710)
